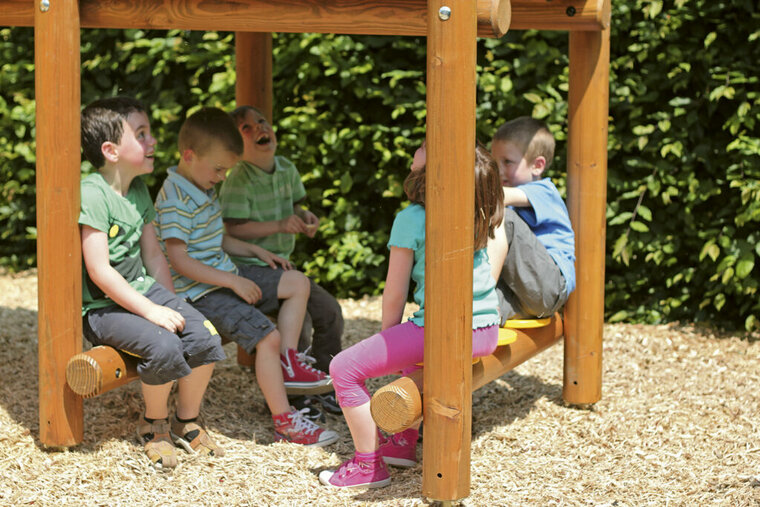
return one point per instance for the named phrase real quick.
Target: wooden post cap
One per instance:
(98, 370)
(396, 405)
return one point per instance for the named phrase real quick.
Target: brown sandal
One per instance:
(194, 439)
(157, 442)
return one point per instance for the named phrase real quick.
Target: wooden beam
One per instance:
(99, 370)
(397, 405)
(584, 15)
(253, 64)
(372, 17)
(59, 252)
(449, 229)
(588, 102)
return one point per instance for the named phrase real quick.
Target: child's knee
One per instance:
(294, 283)
(270, 344)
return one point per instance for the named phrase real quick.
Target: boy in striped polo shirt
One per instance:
(189, 224)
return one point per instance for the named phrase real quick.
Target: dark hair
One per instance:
(532, 136)
(103, 121)
(489, 197)
(238, 114)
(207, 126)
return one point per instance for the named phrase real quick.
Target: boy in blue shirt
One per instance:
(533, 254)
(191, 230)
(128, 300)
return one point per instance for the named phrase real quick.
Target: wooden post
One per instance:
(59, 255)
(253, 87)
(449, 233)
(587, 195)
(253, 61)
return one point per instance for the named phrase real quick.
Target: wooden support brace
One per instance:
(99, 370)
(371, 17)
(398, 405)
(572, 15)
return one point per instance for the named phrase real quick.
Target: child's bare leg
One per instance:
(156, 398)
(269, 373)
(293, 289)
(190, 391)
(363, 428)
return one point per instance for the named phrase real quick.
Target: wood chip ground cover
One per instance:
(678, 424)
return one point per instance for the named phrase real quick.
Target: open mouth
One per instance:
(263, 140)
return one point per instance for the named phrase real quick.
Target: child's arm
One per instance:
(96, 261)
(239, 248)
(250, 229)
(513, 196)
(194, 269)
(497, 250)
(153, 257)
(397, 285)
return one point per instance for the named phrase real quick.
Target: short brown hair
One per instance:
(238, 114)
(207, 126)
(489, 197)
(530, 135)
(103, 120)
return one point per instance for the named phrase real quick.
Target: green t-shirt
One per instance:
(250, 193)
(122, 219)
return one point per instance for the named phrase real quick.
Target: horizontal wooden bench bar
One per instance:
(398, 405)
(102, 369)
(371, 17)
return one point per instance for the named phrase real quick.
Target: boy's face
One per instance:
(259, 140)
(136, 148)
(420, 158)
(205, 171)
(514, 170)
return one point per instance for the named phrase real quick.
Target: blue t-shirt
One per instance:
(547, 217)
(408, 231)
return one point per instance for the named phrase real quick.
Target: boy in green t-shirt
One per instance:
(262, 204)
(128, 296)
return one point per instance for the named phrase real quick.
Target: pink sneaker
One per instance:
(356, 473)
(300, 377)
(294, 427)
(400, 449)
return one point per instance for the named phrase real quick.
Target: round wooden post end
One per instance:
(396, 406)
(84, 375)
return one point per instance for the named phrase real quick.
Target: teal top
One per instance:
(122, 218)
(409, 232)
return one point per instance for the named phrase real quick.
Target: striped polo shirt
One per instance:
(192, 215)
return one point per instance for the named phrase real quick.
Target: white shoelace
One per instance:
(307, 360)
(301, 422)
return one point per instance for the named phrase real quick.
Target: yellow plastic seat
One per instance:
(527, 323)
(506, 336)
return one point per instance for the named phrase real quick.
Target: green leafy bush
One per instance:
(684, 150)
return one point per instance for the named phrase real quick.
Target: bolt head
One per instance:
(444, 13)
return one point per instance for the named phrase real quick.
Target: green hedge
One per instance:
(684, 150)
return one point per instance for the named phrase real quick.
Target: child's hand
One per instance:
(166, 318)
(292, 225)
(246, 289)
(273, 260)
(312, 223)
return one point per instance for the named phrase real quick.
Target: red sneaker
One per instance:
(300, 377)
(400, 449)
(294, 427)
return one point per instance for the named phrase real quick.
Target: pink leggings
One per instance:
(395, 349)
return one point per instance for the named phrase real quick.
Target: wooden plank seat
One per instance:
(398, 405)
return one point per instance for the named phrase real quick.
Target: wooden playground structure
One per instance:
(451, 27)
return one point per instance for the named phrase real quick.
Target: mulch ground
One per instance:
(678, 424)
